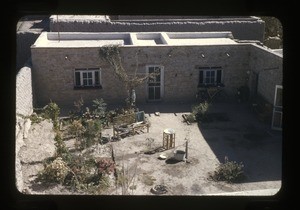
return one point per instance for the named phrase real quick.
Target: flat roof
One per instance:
(146, 18)
(84, 39)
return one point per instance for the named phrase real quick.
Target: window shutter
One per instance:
(77, 79)
(97, 82)
(219, 75)
(201, 77)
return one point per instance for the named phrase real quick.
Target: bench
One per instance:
(130, 124)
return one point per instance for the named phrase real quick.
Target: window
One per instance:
(87, 78)
(210, 76)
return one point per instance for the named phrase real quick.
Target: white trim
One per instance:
(215, 77)
(275, 111)
(87, 70)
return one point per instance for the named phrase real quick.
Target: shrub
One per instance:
(61, 149)
(201, 109)
(79, 106)
(52, 111)
(191, 118)
(99, 107)
(230, 171)
(105, 166)
(55, 171)
(76, 128)
(34, 118)
(92, 130)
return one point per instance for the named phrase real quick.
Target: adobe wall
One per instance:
(54, 74)
(269, 67)
(243, 28)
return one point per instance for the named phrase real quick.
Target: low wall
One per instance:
(24, 107)
(241, 28)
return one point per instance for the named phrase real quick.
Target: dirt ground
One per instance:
(239, 136)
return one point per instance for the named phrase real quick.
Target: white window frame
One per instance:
(205, 77)
(211, 69)
(88, 70)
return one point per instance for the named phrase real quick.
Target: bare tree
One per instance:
(111, 54)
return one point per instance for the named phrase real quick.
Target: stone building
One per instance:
(67, 66)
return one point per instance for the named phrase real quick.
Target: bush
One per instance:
(200, 111)
(52, 111)
(99, 108)
(34, 118)
(92, 130)
(55, 171)
(105, 166)
(191, 118)
(76, 128)
(78, 105)
(61, 149)
(230, 171)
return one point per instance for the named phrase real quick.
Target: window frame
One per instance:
(81, 79)
(218, 72)
(155, 83)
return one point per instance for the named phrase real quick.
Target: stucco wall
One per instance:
(269, 67)
(54, 74)
(244, 29)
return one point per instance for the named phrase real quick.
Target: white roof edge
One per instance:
(267, 49)
(127, 39)
(86, 35)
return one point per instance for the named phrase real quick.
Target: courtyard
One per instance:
(237, 135)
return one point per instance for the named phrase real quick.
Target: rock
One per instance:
(39, 143)
(27, 125)
(19, 176)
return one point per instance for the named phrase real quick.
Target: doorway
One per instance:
(155, 83)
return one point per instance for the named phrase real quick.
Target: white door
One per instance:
(277, 109)
(155, 83)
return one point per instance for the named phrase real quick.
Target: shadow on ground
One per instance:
(165, 107)
(243, 138)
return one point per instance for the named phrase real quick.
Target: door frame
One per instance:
(161, 82)
(277, 109)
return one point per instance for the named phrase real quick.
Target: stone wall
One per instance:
(54, 74)
(268, 66)
(24, 107)
(241, 28)
(24, 95)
